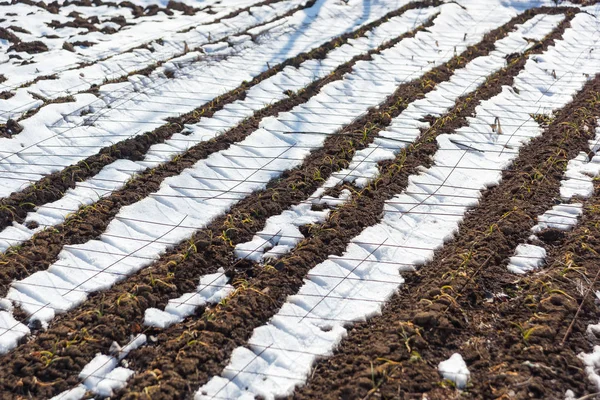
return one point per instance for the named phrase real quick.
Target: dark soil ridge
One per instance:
(187, 266)
(91, 221)
(262, 291)
(149, 69)
(50, 188)
(243, 130)
(18, 45)
(452, 305)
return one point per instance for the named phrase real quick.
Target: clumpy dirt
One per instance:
(7, 94)
(34, 47)
(49, 189)
(19, 29)
(11, 127)
(5, 34)
(229, 326)
(184, 8)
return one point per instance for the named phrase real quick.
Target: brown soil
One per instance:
(68, 46)
(134, 149)
(77, 22)
(19, 29)
(184, 8)
(11, 127)
(7, 94)
(229, 326)
(5, 34)
(52, 8)
(83, 43)
(34, 47)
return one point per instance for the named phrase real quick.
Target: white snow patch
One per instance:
(11, 331)
(455, 369)
(592, 365)
(212, 289)
(110, 57)
(115, 175)
(527, 258)
(561, 216)
(189, 201)
(577, 181)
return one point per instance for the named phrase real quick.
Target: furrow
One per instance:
(164, 160)
(102, 376)
(576, 186)
(283, 232)
(105, 67)
(91, 138)
(323, 93)
(130, 228)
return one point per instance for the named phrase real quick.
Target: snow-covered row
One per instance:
(115, 175)
(415, 223)
(39, 26)
(59, 135)
(578, 183)
(282, 232)
(72, 80)
(102, 376)
(191, 200)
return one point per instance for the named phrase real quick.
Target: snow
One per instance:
(585, 172)
(132, 241)
(212, 289)
(110, 58)
(455, 369)
(592, 365)
(102, 376)
(561, 216)
(415, 223)
(77, 393)
(115, 175)
(527, 258)
(11, 331)
(339, 291)
(407, 127)
(282, 233)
